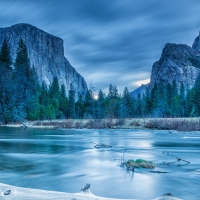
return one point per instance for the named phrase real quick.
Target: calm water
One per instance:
(65, 160)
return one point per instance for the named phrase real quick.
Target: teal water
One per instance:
(65, 160)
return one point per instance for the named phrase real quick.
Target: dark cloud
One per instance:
(110, 41)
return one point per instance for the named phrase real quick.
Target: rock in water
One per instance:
(46, 53)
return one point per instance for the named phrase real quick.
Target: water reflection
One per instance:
(65, 160)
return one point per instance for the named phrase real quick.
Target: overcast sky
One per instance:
(110, 41)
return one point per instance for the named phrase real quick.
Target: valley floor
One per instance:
(179, 124)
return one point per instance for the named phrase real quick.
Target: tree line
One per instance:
(23, 98)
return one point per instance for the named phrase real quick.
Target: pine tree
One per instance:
(22, 60)
(162, 100)
(43, 99)
(100, 105)
(175, 101)
(191, 104)
(71, 102)
(79, 107)
(88, 104)
(113, 102)
(7, 90)
(111, 91)
(5, 58)
(155, 100)
(169, 100)
(148, 103)
(139, 106)
(126, 104)
(182, 99)
(54, 89)
(25, 81)
(63, 101)
(54, 97)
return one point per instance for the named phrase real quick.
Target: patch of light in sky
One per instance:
(96, 96)
(139, 83)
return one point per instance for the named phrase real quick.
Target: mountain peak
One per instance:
(196, 44)
(46, 54)
(26, 26)
(178, 62)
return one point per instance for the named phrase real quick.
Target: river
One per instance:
(65, 160)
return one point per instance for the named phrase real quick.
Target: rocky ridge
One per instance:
(46, 53)
(178, 62)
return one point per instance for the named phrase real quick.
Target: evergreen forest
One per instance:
(23, 98)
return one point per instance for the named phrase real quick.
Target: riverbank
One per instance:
(179, 124)
(18, 193)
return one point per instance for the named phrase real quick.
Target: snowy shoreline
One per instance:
(19, 193)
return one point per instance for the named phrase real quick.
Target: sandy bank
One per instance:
(18, 193)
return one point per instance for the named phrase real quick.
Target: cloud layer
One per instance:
(110, 41)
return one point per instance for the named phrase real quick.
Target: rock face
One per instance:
(177, 62)
(46, 53)
(196, 44)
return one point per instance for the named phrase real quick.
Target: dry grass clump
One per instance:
(67, 124)
(119, 122)
(179, 124)
(103, 124)
(174, 124)
(95, 124)
(78, 124)
(109, 123)
(135, 123)
(56, 124)
(47, 123)
(139, 163)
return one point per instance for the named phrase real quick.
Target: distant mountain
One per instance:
(178, 62)
(141, 90)
(46, 53)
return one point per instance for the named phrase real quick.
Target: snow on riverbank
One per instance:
(18, 193)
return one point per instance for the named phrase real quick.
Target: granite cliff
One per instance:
(46, 53)
(178, 62)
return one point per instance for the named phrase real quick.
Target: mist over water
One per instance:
(65, 160)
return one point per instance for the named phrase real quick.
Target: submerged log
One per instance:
(102, 146)
(178, 160)
(158, 172)
(173, 162)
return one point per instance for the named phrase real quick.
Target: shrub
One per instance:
(68, 124)
(135, 123)
(120, 122)
(78, 124)
(174, 124)
(139, 163)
